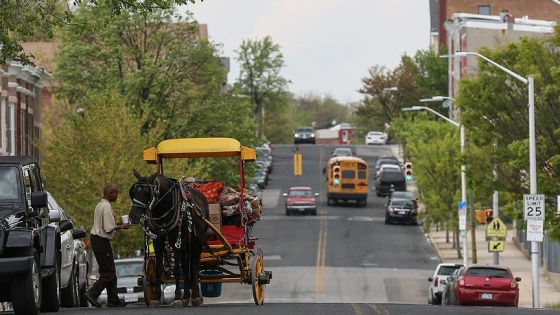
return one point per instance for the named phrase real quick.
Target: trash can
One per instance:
(213, 289)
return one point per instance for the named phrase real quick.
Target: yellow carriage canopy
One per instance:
(199, 148)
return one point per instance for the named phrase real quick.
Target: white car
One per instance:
(436, 288)
(73, 260)
(376, 137)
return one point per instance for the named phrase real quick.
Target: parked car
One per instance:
(376, 137)
(128, 270)
(447, 294)
(261, 177)
(264, 158)
(389, 181)
(304, 135)
(264, 154)
(439, 280)
(300, 199)
(257, 191)
(73, 262)
(401, 210)
(343, 152)
(485, 285)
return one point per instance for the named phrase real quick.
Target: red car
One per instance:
(301, 199)
(490, 285)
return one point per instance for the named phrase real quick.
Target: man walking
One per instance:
(102, 231)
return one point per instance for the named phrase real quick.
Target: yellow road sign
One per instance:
(297, 164)
(496, 228)
(496, 246)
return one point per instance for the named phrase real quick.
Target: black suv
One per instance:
(388, 181)
(30, 249)
(304, 135)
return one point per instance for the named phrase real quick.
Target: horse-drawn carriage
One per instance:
(187, 248)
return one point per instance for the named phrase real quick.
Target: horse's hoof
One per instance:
(154, 303)
(178, 303)
(196, 301)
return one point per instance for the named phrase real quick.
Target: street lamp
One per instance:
(530, 81)
(462, 131)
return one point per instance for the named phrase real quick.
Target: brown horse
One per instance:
(172, 213)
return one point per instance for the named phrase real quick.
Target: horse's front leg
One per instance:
(177, 301)
(194, 259)
(157, 288)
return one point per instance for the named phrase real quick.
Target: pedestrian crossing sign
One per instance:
(496, 228)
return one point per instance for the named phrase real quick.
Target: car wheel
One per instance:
(314, 212)
(387, 221)
(29, 297)
(288, 213)
(51, 290)
(69, 294)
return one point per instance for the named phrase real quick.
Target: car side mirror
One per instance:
(443, 282)
(316, 194)
(517, 279)
(430, 279)
(449, 279)
(285, 194)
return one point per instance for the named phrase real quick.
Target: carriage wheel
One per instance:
(257, 268)
(149, 274)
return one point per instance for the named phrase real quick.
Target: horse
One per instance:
(173, 213)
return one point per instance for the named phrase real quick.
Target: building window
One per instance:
(484, 10)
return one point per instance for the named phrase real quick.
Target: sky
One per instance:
(328, 45)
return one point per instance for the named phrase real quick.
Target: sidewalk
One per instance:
(512, 256)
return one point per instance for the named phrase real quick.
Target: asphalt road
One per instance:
(345, 260)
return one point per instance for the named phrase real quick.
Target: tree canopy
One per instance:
(32, 20)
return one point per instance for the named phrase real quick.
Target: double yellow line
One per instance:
(322, 242)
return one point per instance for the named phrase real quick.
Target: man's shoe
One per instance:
(116, 304)
(93, 301)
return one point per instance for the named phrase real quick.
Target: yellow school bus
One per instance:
(347, 180)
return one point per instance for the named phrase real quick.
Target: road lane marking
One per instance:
(321, 253)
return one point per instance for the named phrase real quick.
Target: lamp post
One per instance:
(530, 81)
(462, 132)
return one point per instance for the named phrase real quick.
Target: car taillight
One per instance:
(436, 282)
(461, 282)
(362, 183)
(513, 284)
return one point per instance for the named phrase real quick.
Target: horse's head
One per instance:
(142, 194)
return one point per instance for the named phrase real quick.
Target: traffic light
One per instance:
(489, 217)
(408, 171)
(336, 174)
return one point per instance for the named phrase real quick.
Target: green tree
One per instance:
(260, 63)
(33, 19)
(494, 110)
(85, 151)
(387, 91)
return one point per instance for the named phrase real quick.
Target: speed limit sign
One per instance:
(534, 207)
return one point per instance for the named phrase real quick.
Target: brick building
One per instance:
(443, 10)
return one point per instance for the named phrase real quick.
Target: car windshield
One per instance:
(128, 269)
(304, 129)
(300, 193)
(9, 188)
(487, 272)
(447, 270)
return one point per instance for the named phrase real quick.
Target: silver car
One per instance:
(73, 262)
(128, 270)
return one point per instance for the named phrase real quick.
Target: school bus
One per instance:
(347, 180)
